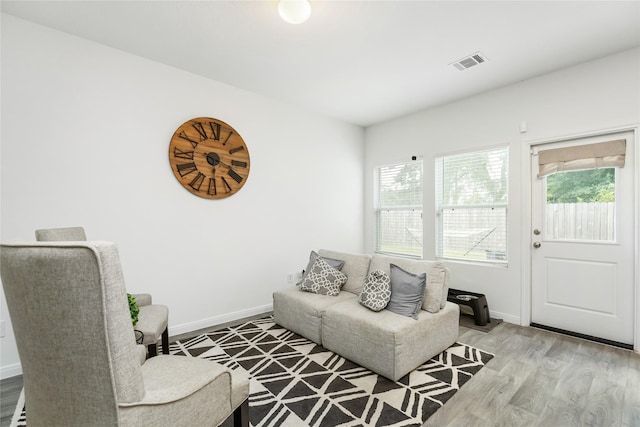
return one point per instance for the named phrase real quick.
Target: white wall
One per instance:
(594, 96)
(85, 137)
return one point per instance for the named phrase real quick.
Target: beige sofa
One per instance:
(387, 343)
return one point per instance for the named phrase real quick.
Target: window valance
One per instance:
(579, 157)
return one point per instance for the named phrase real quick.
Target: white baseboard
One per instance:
(509, 318)
(218, 320)
(10, 371)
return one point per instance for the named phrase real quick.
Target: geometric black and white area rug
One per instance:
(295, 382)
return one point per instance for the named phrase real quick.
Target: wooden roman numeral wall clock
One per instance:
(209, 158)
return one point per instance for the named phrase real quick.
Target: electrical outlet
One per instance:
(290, 278)
(2, 326)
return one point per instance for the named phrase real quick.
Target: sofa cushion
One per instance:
(376, 292)
(385, 342)
(356, 268)
(335, 263)
(407, 292)
(301, 312)
(438, 281)
(437, 277)
(323, 279)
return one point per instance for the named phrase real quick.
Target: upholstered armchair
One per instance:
(153, 319)
(63, 295)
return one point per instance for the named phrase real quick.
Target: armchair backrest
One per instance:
(73, 330)
(61, 234)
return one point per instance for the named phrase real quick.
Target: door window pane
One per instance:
(581, 205)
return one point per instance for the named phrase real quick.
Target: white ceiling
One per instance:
(363, 62)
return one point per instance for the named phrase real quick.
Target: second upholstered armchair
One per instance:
(153, 319)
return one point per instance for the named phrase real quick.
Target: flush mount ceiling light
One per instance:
(294, 11)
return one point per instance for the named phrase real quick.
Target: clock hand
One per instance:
(213, 159)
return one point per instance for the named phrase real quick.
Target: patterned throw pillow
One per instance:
(335, 263)
(376, 291)
(323, 279)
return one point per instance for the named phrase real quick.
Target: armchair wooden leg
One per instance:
(241, 415)
(153, 350)
(165, 341)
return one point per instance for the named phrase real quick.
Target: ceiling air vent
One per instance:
(470, 61)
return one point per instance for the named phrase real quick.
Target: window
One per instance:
(471, 203)
(399, 209)
(581, 205)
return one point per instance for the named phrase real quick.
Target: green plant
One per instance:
(133, 308)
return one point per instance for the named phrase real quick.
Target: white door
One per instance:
(582, 251)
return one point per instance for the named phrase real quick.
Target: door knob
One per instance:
(536, 245)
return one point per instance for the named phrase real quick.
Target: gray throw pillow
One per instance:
(323, 279)
(335, 263)
(407, 291)
(376, 291)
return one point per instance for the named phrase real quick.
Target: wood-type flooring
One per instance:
(540, 378)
